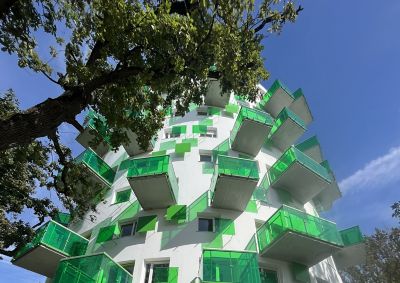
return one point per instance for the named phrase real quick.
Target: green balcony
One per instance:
(97, 268)
(230, 266)
(287, 129)
(323, 201)
(153, 181)
(102, 173)
(295, 236)
(300, 107)
(51, 243)
(298, 174)
(277, 97)
(312, 148)
(354, 252)
(233, 182)
(214, 95)
(98, 124)
(250, 130)
(62, 218)
(133, 148)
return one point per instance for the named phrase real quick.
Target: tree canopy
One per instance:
(121, 56)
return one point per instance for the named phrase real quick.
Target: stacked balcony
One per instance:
(233, 182)
(51, 243)
(295, 236)
(312, 148)
(214, 95)
(354, 252)
(91, 269)
(132, 147)
(102, 173)
(277, 97)
(287, 129)
(324, 200)
(300, 107)
(298, 174)
(250, 130)
(95, 123)
(153, 181)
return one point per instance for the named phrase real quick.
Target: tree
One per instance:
(134, 56)
(383, 259)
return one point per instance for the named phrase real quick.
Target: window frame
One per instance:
(206, 218)
(133, 231)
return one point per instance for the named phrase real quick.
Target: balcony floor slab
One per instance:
(350, 256)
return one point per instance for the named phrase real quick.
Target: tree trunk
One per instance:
(41, 120)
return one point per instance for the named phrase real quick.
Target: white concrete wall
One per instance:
(184, 251)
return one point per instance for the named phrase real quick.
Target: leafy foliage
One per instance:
(130, 61)
(383, 259)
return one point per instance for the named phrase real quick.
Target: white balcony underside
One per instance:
(250, 137)
(84, 139)
(350, 256)
(153, 191)
(233, 192)
(214, 95)
(300, 107)
(279, 100)
(41, 260)
(294, 247)
(133, 148)
(287, 134)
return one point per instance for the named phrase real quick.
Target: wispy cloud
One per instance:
(379, 172)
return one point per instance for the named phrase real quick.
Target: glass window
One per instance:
(128, 229)
(206, 224)
(211, 133)
(205, 158)
(156, 272)
(268, 276)
(129, 266)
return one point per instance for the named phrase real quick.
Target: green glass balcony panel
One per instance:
(199, 129)
(165, 274)
(192, 141)
(268, 276)
(153, 181)
(146, 223)
(179, 129)
(206, 122)
(167, 145)
(62, 218)
(287, 129)
(159, 153)
(239, 167)
(51, 243)
(208, 168)
(183, 147)
(354, 251)
(98, 123)
(312, 148)
(276, 98)
(176, 213)
(221, 149)
(250, 130)
(230, 266)
(123, 196)
(97, 165)
(295, 236)
(233, 182)
(107, 233)
(299, 174)
(300, 106)
(252, 207)
(148, 166)
(214, 111)
(352, 236)
(300, 272)
(232, 108)
(97, 268)
(128, 212)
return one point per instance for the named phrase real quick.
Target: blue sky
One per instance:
(345, 57)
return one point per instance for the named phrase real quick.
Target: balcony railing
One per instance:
(290, 219)
(352, 236)
(148, 166)
(56, 237)
(98, 123)
(97, 165)
(91, 269)
(283, 116)
(238, 167)
(291, 156)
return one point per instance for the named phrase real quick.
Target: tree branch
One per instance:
(5, 6)
(271, 18)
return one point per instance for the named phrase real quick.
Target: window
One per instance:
(205, 158)
(206, 225)
(128, 266)
(269, 276)
(122, 196)
(156, 272)
(172, 135)
(128, 229)
(211, 133)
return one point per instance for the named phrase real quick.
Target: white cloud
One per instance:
(379, 172)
